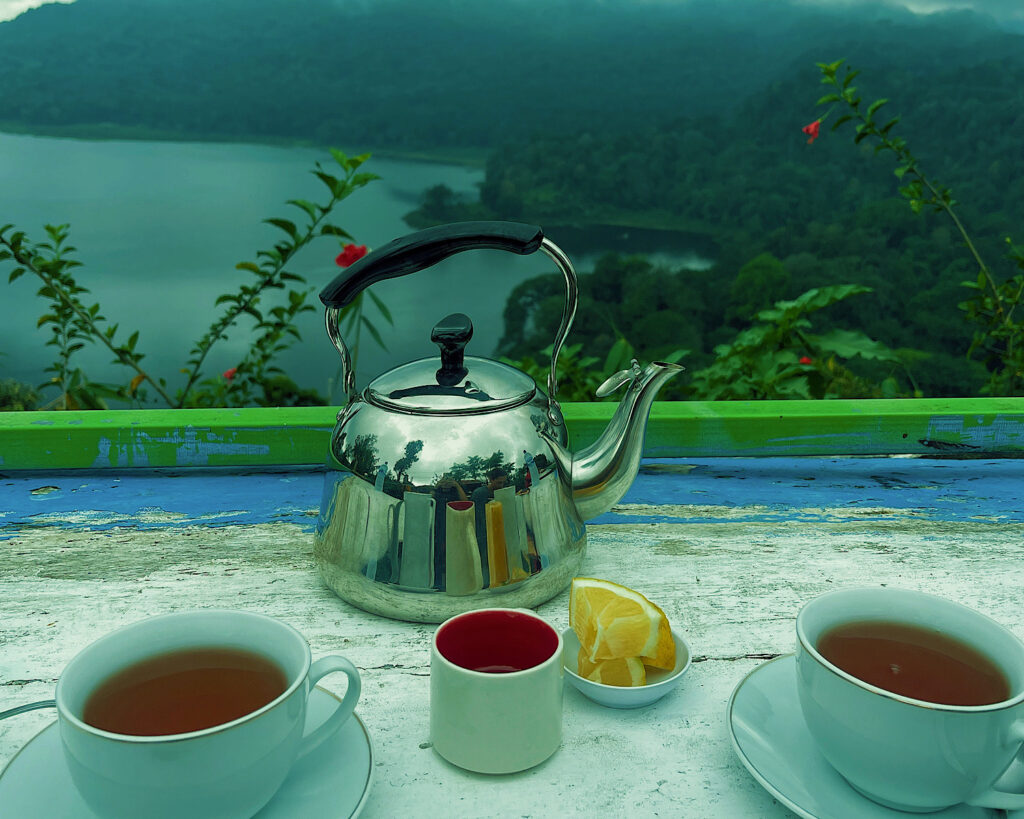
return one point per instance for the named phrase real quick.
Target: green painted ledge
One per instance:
(286, 436)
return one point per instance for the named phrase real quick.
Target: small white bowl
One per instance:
(659, 682)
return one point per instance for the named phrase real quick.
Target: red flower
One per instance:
(229, 374)
(349, 254)
(812, 130)
(806, 360)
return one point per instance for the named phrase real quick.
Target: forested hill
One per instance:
(418, 75)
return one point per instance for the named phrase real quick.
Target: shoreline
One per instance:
(468, 157)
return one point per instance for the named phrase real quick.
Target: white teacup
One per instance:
(496, 690)
(228, 770)
(901, 752)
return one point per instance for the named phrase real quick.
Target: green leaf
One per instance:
(373, 332)
(382, 307)
(849, 78)
(619, 355)
(330, 181)
(340, 157)
(285, 225)
(885, 128)
(875, 106)
(252, 268)
(841, 120)
(361, 179)
(861, 136)
(334, 230)
(309, 207)
(851, 343)
(15, 274)
(828, 98)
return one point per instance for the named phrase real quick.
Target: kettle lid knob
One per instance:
(451, 334)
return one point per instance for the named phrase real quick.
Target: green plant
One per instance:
(780, 357)
(578, 379)
(999, 334)
(273, 328)
(16, 397)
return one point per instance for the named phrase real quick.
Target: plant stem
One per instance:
(269, 279)
(58, 288)
(970, 245)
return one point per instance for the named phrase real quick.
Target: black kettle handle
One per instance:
(420, 250)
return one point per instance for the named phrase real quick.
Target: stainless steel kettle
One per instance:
(450, 486)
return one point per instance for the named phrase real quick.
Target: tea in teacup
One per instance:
(128, 763)
(917, 662)
(182, 691)
(916, 700)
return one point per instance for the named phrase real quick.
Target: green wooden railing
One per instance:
(299, 436)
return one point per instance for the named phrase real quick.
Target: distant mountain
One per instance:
(447, 74)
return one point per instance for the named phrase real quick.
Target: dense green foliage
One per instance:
(787, 216)
(677, 116)
(420, 75)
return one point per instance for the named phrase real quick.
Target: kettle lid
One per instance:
(453, 383)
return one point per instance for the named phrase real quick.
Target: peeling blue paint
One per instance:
(775, 490)
(1003, 432)
(191, 450)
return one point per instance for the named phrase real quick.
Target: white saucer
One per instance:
(332, 782)
(771, 739)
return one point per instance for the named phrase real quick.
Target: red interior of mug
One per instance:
(496, 641)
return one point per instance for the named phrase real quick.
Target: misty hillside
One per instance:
(446, 74)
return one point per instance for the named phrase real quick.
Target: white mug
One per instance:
(496, 690)
(229, 770)
(905, 753)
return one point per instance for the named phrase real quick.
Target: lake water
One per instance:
(159, 227)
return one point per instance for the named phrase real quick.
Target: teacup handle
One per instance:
(993, 798)
(321, 668)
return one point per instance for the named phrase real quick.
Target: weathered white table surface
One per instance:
(730, 548)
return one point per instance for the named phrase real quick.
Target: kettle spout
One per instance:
(602, 472)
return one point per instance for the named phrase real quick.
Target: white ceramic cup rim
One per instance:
(932, 599)
(66, 714)
(556, 655)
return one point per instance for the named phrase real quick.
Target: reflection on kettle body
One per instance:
(462, 552)
(356, 513)
(497, 553)
(417, 557)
